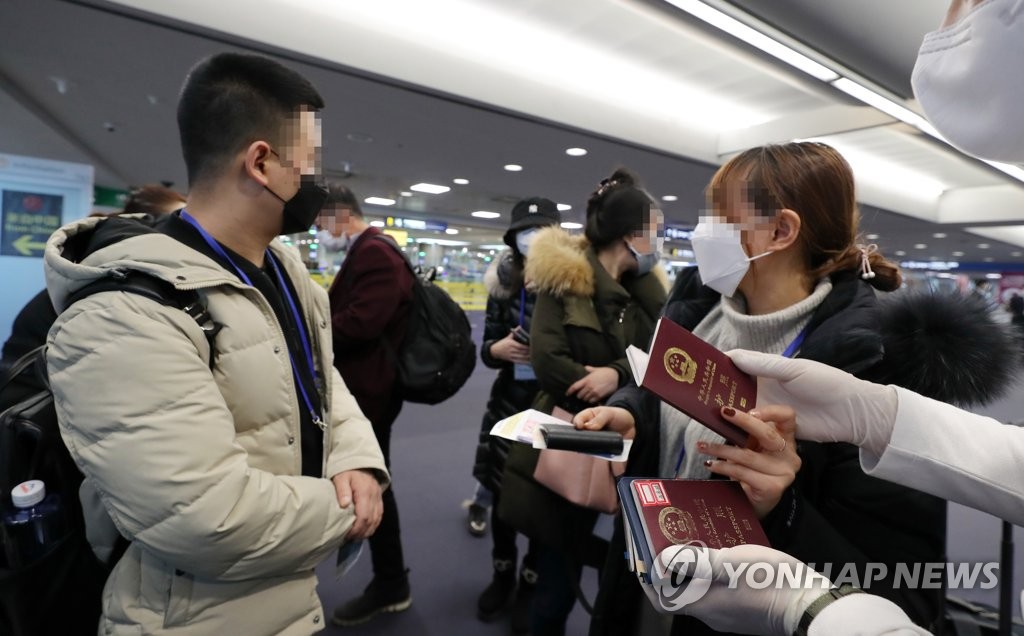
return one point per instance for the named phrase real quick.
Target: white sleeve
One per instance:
(964, 457)
(864, 615)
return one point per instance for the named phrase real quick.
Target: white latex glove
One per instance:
(831, 405)
(720, 593)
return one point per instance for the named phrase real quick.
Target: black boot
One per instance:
(379, 596)
(524, 596)
(499, 593)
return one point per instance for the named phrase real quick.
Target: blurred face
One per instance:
(734, 203)
(336, 220)
(299, 153)
(651, 237)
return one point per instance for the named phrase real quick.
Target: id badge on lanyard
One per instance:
(521, 371)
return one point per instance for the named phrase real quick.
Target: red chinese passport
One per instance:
(695, 378)
(715, 512)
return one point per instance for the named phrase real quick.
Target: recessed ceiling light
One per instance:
(484, 214)
(451, 231)
(983, 246)
(900, 253)
(670, 197)
(920, 246)
(993, 276)
(1017, 254)
(378, 201)
(359, 138)
(460, 181)
(430, 188)
(377, 223)
(564, 207)
(872, 237)
(569, 225)
(958, 254)
(513, 167)
(939, 235)
(60, 84)
(575, 152)
(405, 194)
(989, 259)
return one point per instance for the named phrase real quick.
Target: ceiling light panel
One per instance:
(475, 50)
(429, 188)
(755, 38)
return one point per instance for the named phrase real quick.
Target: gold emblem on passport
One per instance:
(677, 525)
(680, 365)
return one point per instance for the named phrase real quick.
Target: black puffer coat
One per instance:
(508, 305)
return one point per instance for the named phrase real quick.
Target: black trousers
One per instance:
(386, 543)
(504, 536)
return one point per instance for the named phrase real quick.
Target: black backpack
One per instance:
(60, 592)
(437, 354)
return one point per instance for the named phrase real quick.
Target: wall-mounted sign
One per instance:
(674, 233)
(28, 219)
(416, 224)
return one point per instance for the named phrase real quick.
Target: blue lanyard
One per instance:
(788, 353)
(300, 325)
(522, 305)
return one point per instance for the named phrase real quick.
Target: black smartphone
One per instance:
(521, 335)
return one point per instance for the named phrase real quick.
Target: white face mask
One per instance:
(525, 238)
(721, 259)
(965, 83)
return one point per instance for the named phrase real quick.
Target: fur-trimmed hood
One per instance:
(558, 265)
(948, 346)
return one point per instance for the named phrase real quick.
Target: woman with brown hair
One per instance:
(779, 270)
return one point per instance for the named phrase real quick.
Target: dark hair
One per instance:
(813, 180)
(617, 208)
(153, 199)
(230, 100)
(340, 196)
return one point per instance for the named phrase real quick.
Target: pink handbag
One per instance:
(581, 479)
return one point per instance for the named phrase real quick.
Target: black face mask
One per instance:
(302, 209)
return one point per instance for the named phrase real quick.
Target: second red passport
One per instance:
(678, 511)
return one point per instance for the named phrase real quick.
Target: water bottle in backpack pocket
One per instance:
(34, 524)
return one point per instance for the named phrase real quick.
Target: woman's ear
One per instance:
(787, 230)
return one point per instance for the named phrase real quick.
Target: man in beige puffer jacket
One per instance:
(232, 471)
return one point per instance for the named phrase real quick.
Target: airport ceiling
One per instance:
(415, 94)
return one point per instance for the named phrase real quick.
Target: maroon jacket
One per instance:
(371, 299)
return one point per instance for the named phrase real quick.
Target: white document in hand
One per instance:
(637, 363)
(525, 427)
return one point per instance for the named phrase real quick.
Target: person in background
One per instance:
(153, 199)
(33, 322)
(778, 270)
(236, 465)
(331, 243)
(596, 295)
(371, 299)
(506, 347)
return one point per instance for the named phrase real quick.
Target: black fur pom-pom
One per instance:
(948, 346)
